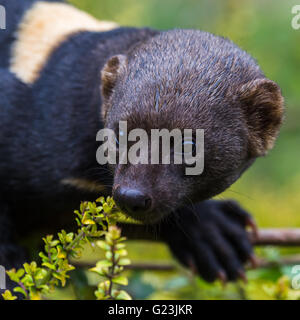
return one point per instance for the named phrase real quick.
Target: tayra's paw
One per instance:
(210, 238)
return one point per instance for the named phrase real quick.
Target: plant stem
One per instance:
(77, 239)
(112, 271)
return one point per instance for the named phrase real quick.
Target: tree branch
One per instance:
(277, 237)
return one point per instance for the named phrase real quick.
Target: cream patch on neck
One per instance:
(42, 29)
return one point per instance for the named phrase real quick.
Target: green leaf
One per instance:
(60, 277)
(20, 273)
(103, 245)
(122, 239)
(44, 257)
(104, 263)
(28, 280)
(101, 200)
(106, 208)
(124, 262)
(92, 207)
(123, 295)
(49, 265)
(35, 295)
(41, 274)
(7, 295)
(20, 290)
(122, 252)
(87, 219)
(120, 280)
(83, 206)
(120, 246)
(69, 237)
(108, 255)
(61, 254)
(54, 243)
(27, 268)
(13, 275)
(100, 271)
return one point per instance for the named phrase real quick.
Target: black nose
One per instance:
(132, 200)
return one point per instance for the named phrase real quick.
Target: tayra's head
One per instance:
(187, 79)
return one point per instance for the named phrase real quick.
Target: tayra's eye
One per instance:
(121, 133)
(118, 134)
(188, 147)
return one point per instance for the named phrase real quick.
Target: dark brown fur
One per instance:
(192, 79)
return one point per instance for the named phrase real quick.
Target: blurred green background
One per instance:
(270, 189)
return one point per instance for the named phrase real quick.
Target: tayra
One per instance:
(66, 75)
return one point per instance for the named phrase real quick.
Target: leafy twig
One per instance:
(94, 219)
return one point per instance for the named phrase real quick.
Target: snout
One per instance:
(133, 201)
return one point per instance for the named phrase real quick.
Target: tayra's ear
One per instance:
(263, 106)
(113, 69)
(110, 74)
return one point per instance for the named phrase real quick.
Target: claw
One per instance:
(243, 276)
(252, 224)
(221, 275)
(192, 266)
(254, 261)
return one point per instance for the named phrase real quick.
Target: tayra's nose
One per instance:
(132, 200)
